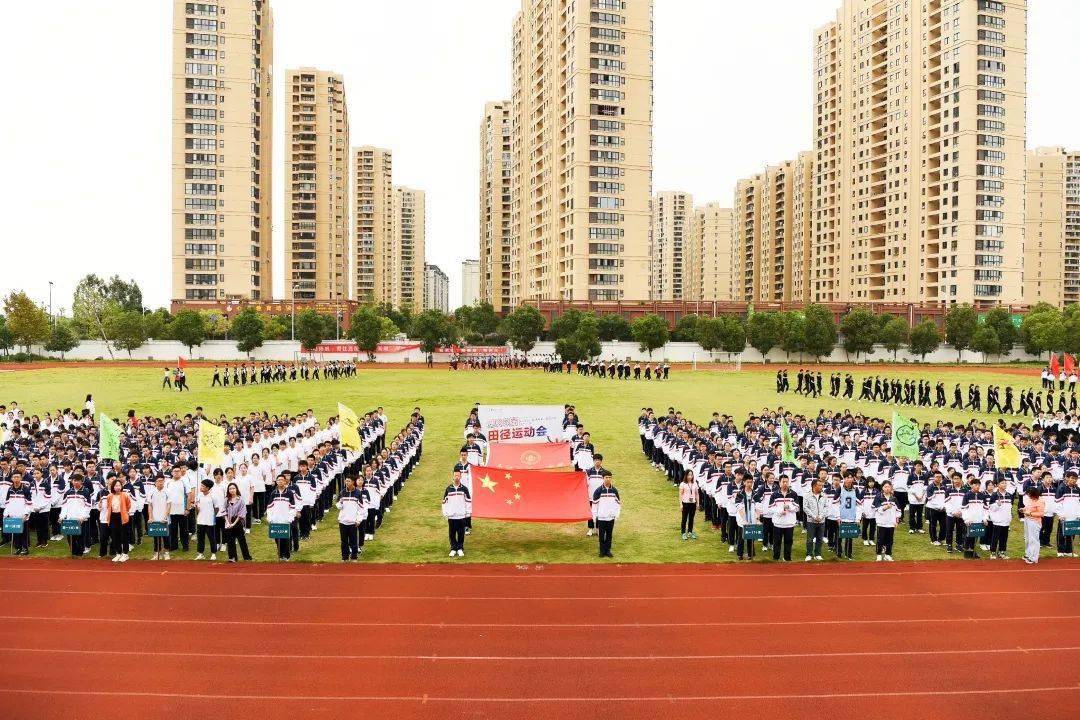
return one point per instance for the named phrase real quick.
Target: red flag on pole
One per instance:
(529, 495)
(1070, 364)
(1055, 366)
(529, 456)
(181, 362)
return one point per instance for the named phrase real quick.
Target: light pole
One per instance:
(51, 316)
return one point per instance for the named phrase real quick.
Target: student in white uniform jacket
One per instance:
(456, 506)
(606, 508)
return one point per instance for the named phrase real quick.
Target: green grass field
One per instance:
(415, 531)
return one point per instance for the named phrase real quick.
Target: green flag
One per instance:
(108, 438)
(905, 437)
(787, 443)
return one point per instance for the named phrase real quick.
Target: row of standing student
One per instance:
(976, 496)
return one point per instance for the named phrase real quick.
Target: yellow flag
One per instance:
(1005, 451)
(349, 429)
(211, 443)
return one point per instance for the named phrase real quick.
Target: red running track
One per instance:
(902, 640)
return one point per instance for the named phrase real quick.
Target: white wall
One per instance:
(168, 351)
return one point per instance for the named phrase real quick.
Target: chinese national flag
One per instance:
(1070, 364)
(529, 495)
(529, 456)
(181, 362)
(1055, 368)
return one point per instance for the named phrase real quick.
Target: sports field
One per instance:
(415, 531)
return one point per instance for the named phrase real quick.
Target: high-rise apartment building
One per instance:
(1052, 227)
(470, 282)
(406, 283)
(221, 163)
(373, 201)
(495, 205)
(581, 149)
(668, 247)
(317, 246)
(770, 216)
(436, 289)
(711, 253)
(919, 131)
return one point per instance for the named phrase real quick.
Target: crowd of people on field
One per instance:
(278, 372)
(509, 361)
(924, 393)
(611, 369)
(282, 469)
(842, 483)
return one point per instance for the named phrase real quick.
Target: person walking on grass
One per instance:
(1032, 510)
(688, 497)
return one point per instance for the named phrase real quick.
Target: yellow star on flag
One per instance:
(517, 485)
(488, 483)
(516, 496)
(506, 476)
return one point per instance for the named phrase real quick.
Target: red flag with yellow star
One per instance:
(529, 495)
(529, 456)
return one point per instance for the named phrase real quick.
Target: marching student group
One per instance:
(841, 483)
(282, 471)
(604, 500)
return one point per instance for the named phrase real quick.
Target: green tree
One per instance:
(91, 308)
(1000, 319)
(581, 344)
(157, 324)
(820, 331)
(128, 330)
(565, 324)
(277, 327)
(650, 332)
(1043, 329)
(366, 329)
(859, 328)
(732, 334)
(961, 322)
(925, 339)
(189, 328)
(248, 330)
(217, 325)
(483, 319)
(433, 330)
(62, 339)
(127, 295)
(686, 329)
(310, 329)
(894, 335)
(402, 318)
(793, 338)
(986, 341)
(613, 327)
(522, 327)
(6, 340)
(764, 331)
(26, 321)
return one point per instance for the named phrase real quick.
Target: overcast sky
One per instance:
(85, 129)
